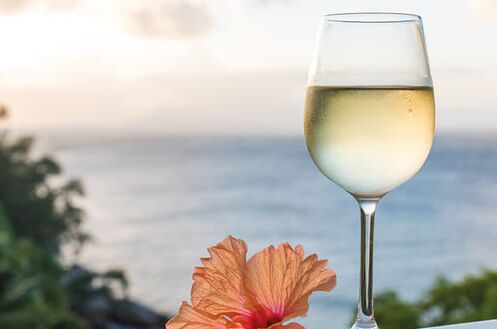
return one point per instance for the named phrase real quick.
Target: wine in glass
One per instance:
(369, 115)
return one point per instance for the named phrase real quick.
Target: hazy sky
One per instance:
(216, 66)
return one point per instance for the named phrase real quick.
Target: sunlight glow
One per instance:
(120, 63)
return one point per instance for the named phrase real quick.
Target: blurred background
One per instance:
(182, 122)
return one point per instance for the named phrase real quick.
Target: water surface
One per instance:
(155, 203)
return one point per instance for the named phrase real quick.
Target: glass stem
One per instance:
(365, 314)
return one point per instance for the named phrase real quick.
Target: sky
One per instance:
(215, 66)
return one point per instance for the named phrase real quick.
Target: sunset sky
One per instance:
(215, 66)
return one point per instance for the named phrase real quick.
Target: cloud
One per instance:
(13, 6)
(59, 5)
(270, 2)
(173, 19)
(483, 11)
(16, 6)
(170, 18)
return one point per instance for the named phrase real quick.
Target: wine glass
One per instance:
(369, 115)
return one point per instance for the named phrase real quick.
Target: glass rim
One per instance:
(372, 17)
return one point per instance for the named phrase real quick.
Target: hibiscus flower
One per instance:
(272, 287)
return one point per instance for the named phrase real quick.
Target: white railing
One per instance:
(491, 324)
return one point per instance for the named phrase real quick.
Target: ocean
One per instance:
(154, 204)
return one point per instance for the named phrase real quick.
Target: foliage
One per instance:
(474, 298)
(30, 292)
(37, 210)
(36, 218)
(86, 285)
(391, 312)
(4, 112)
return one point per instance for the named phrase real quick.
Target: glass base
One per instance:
(365, 325)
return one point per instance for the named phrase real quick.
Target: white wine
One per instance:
(369, 140)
